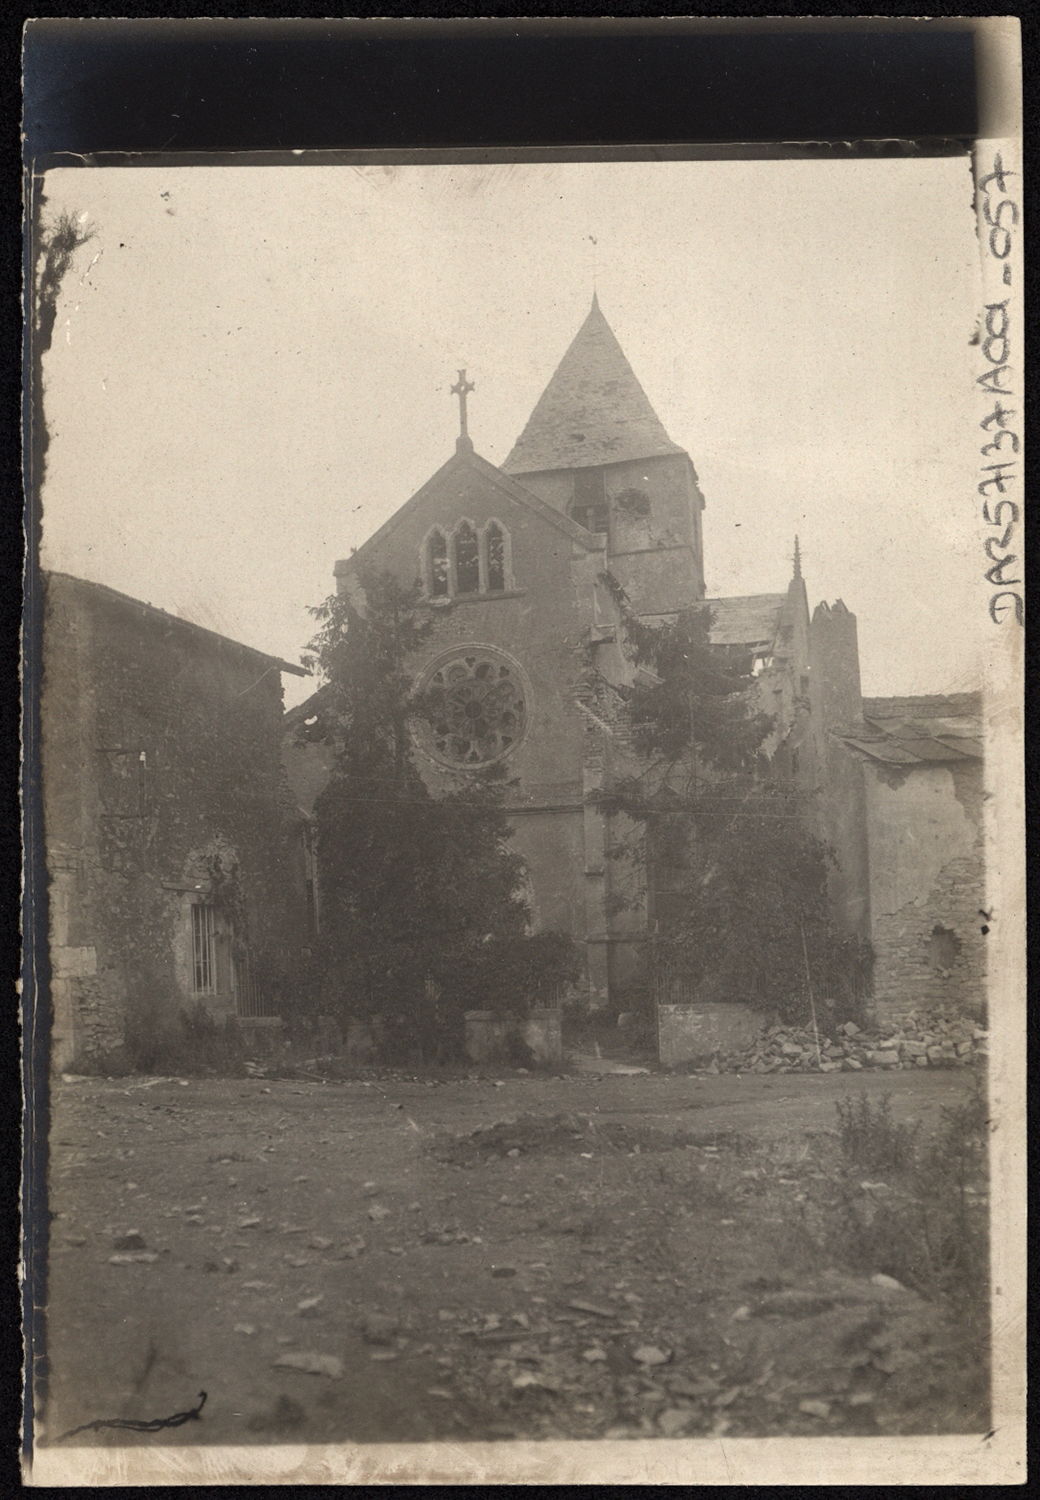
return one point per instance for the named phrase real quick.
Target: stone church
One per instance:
(526, 646)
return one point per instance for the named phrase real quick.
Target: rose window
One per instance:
(476, 707)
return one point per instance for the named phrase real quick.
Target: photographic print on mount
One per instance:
(529, 708)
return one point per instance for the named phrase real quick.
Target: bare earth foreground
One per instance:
(373, 1261)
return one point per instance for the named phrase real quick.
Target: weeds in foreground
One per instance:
(929, 1230)
(870, 1138)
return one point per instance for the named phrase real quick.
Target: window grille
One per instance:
(203, 949)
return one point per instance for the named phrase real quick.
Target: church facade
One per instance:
(526, 650)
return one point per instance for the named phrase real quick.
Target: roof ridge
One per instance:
(470, 458)
(164, 614)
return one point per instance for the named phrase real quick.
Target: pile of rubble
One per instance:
(920, 1041)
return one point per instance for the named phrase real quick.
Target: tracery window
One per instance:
(467, 559)
(477, 706)
(466, 562)
(438, 566)
(496, 558)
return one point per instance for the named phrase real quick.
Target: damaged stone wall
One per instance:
(160, 743)
(927, 889)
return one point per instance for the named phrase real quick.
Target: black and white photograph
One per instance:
(530, 701)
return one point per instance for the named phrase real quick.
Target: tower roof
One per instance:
(593, 411)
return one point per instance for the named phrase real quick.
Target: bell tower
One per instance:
(595, 449)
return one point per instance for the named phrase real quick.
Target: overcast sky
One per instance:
(251, 371)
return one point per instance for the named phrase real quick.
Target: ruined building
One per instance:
(512, 562)
(176, 856)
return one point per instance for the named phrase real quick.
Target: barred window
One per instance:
(203, 949)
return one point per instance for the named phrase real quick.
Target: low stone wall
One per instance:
(688, 1032)
(488, 1035)
(543, 1034)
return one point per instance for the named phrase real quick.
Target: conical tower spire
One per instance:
(592, 412)
(797, 558)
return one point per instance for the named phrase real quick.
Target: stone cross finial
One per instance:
(461, 388)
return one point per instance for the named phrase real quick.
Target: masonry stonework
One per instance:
(160, 754)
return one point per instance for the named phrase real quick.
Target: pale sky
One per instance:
(251, 371)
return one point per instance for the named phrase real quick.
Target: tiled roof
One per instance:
(593, 411)
(750, 620)
(929, 730)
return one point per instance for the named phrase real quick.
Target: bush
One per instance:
(195, 1043)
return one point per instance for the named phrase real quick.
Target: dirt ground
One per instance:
(535, 1257)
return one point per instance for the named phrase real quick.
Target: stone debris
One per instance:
(378, 1328)
(815, 1408)
(378, 1211)
(307, 1306)
(887, 1283)
(922, 1039)
(246, 1328)
(134, 1257)
(319, 1242)
(312, 1364)
(593, 1307)
(132, 1240)
(352, 1249)
(649, 1354)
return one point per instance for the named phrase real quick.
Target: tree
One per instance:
(423, 910)
(56, 244)
(748, 916)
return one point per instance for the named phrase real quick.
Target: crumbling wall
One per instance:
(927, 889)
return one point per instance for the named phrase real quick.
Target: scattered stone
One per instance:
(378, 1211)
(699, 1388)
(793, 1304)
(312, 1364)
(352, 1249)
(741, 1314)
(246, 1328)
(381, 1354)
(889, 1283)
(592, 1307)
(378, 1328)
(248, 1223)
(594, 1356)
(527, 1379)
(319, 1242)
(134, 1257)
(503, 1271)
(815, 1408)
(649, 1354)
(132, 1240)
(440, 1393)
(256, 1286)
(307, 1306)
